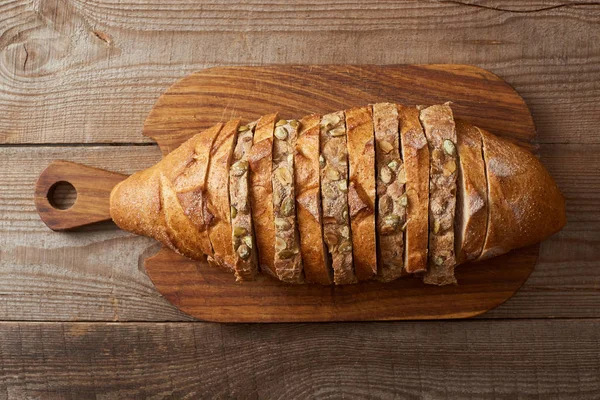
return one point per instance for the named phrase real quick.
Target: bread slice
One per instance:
(438, 123)
(217, 199)
(391, 199)
(317, 268)
(471, 197)
(415, 154)
(261, 192)
(525, 205)
(334, 196)
(143, 203)
(288, 260)
(246, 264)
(361, 190)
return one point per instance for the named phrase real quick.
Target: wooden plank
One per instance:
(441, 360)
(108, 63)
(96, 275)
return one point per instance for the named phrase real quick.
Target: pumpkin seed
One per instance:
(449, 147)
(243, 128)
(393, 165)
(248, 241)
(287, 207)
(239, 168)
(281, 122)
(294, 123)
(283, 175)
(386, 146)
(449, 168)
(339, 131)
(332, 174)
(280, 244)
(233, 211)
(385, 174)
(244, 252)
(239, 231)
(281, 133)
(286, 254)
(390, 224)
(282, 224)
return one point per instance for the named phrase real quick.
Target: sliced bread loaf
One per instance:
(317, 268)
(438, 123)
(334, 196)
(471, 197)
(392, 201)
(361, 190)
(245, 257)
(261, 192)
(288, 260)
(217, 204)
(415, 154)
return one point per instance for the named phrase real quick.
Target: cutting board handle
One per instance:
(93, 187)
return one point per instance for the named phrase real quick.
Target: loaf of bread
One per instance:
(375, 192)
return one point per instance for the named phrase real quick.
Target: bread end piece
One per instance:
(525, 204)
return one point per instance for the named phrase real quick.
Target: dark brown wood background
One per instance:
(79, 317)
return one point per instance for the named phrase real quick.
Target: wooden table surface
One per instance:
(80, 318)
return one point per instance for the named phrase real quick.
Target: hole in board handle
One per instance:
(62, 195)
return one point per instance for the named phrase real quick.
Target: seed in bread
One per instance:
(244, 248)
(261, 192)
(471, 196)
(392, 200)
(217, 199)
(288, 260)
(317, 268)
(438, 124)
(334, 196)
(415, 154)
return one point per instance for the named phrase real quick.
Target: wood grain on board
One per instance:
(89, 72)
(204, 98)
(207, 97)
(412, 360)
(92, 188)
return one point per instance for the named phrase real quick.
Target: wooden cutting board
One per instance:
(204, 98)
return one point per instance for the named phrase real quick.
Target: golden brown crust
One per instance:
(308, 203)
(361, 190)
(261, 192)
(392, 202)
(138, 203)
(525, 205)
(217, 195)
(438, 124)
(415, 154)
(244, 243)
(471, 196)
